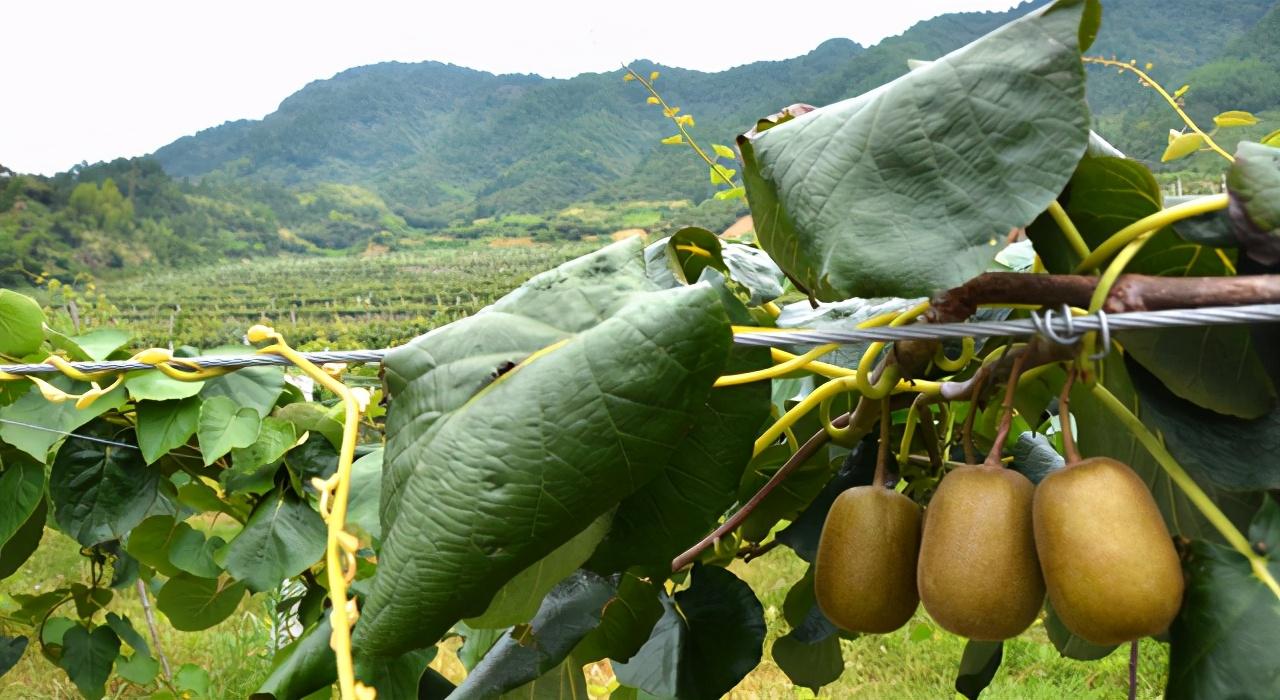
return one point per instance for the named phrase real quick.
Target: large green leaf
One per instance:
(928, 171)
(21, 324)
(978, 665)
(1216, 367)
(275, 437)
(193, 603)
(755, 271)
(1233, 453)
(564, 682)
(51, 419)
(810, 653)
(1105, 194)
(310, 416)
(1222, 642)
(790, 497)
(11, 649)
(628, 620)
(519, 600)
(150, 541)
(571, 610)
(99, 491)
(366, 492)
(150, 385)
(283, 537)
(165, 425)
(87, 657)
(303, 667)
(255, 387)
(811, 665)
(1254, 185)
(487, 474)
(21, 489)
(224, 425)
(23, 543)
(684, 501)
(710, 638)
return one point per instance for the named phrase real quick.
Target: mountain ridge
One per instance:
(446, 144)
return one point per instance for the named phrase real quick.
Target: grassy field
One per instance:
(237, 655)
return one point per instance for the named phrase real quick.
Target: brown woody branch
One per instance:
(1130, 292)
(863, 418)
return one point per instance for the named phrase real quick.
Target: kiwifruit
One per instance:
(865, 572)
(978, 575)
(1109, 563)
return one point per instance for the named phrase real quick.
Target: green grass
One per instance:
(893, 666)
(236, 652)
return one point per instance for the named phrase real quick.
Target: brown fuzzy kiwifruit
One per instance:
(1111, 569)
(978, 575)
(865, 570)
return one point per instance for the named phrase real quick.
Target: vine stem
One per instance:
(860, 421)
(882, 451)
(966, 433)
(683, 132)
(1064, 419)
(1133, 670)
(1069, 230)
(1194, 493)
(151, 626)
(1006, 412)
(337, 542)
(1152, 222)
(1167, 98)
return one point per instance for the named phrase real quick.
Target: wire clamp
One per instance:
(1069, 334)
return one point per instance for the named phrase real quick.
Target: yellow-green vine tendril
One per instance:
(909, 431)
(1194, 493)
(889, 378)
(1108, 280)
(840, 436)
(341, 547)
(1208, 140)
(852, 383)
(1153, 222)
(1069, 230)
(942, 362)
(778, 370)
(789, 362)
(820, 368)
(671, 113)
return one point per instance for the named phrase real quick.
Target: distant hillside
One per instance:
(390, 155)
(445, 145)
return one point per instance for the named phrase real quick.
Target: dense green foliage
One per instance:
(533, 479)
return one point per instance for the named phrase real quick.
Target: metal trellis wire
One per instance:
(1057, 327)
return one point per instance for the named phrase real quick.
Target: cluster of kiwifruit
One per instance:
(989, 545)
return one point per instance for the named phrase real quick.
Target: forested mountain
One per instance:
(446, 144)
(389, 153)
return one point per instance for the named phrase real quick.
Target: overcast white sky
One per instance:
(93, 80)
